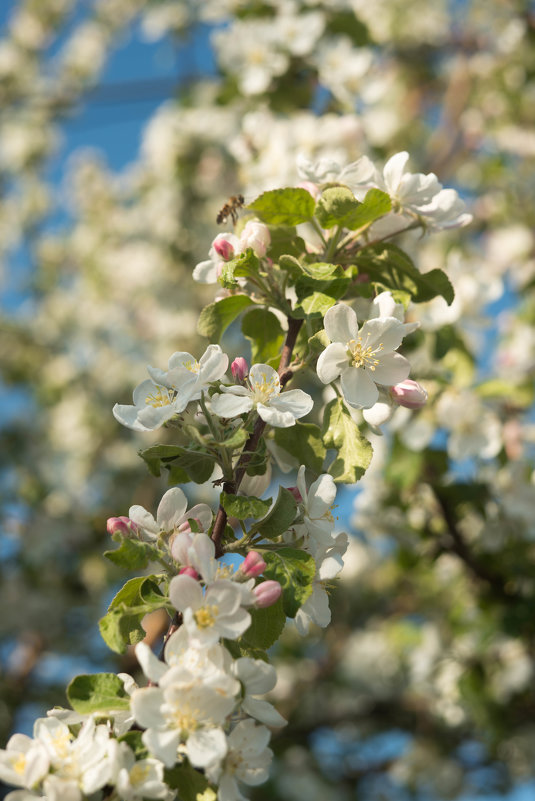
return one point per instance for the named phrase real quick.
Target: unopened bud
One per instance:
(295, 492)
(409, 393)
(223, 248)
(239, 368)
(184, 527)
(255, 235)
(253, 565)
(188, 571)
(267, 593)
(122, 526)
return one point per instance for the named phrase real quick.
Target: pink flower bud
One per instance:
(122, 526)
(267, 593)
(313, 189)
(409, 393)
(223, 247)
(184, 527)
(253, 565)
(255, 235)
(239, 368)
(295, 492)
(188, 571)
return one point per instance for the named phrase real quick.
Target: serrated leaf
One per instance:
(281, 516)
(199, 466)
(244, 506)
(304, 442)
(243, 266)
(99, 692)
(354, 452)
(322, 271)
(284, 242)
(263, 329)
(316, 297)
(339, 206)
(215, 318)
(266, 626)
(295, 571)
(235, 440)
(132, 554)
(154, 455)
(291, 265)
(121, 626)
(289, 206)
(391, 266)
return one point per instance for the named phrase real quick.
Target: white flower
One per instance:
(316, 607)
(24, 762)
(255, 235)
(362, 358)
(81, 764)
(248, 760)
(137, 780)
(318, 503)
(200, 660)
(184, 709)
(212, 366)
(172, 512)
(258, 677)
(210, 615)
(326, 171)
(264, 395)
(167, 393)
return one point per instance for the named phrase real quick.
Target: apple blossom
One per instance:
(182, 365)
(224, 247)
(267, 593)
(172, 513)
(255, 235)
(263, 394)
(409, 393)
(247, 760)
(362, 358)
(239, 368)
(257, 678)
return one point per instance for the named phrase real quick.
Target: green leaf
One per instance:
(289, 206)
(295, 571)
(243, 266)
(243, 507)
(394, 268)
(354, 452)
(235, 440)
(121, 626)
(215, 318)
(285, 243)
(281, 516)
(199, 466)
(291, 265)
(156, 454)
(316, 297)
(191, 785)
(266, 626)
(99, 692)
(265, 333)
(318, 342)
(133, 739)
(304, 442)
(132, 554)
(257, 464)
(322, 271)
(517, 395)
(339, 206)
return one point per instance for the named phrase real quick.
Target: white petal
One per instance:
(301, 483)
(332, 361)
(206, 746)
(230, 405)
(163, 744)
(127, 416)
(264, 374)
(340, 323)
(155, 416)
(393, 171)
(378, 414)
(385, 331)
(185, 592)
(144, 519)
(152, 667)
(295, 401)
(206, 272)
(273, 417)
(171, 508)
(213, 364)
(202, 513)
(358, 388)
(146, 705)
(263, 711)
(321, 495)
(392, 368)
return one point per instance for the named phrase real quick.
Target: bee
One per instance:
(230, 209)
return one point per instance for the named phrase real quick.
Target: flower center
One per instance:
(160, 397)
(264, 389)
(138, 774)
(184, 718)
(206, 616)
(362, 355)
(19, 765)
(192, 366)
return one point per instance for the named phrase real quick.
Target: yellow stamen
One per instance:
(163, 397)
(206, 616)
(362, 355)
(264, 389)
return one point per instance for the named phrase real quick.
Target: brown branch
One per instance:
(251, 445)
(494, 580)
